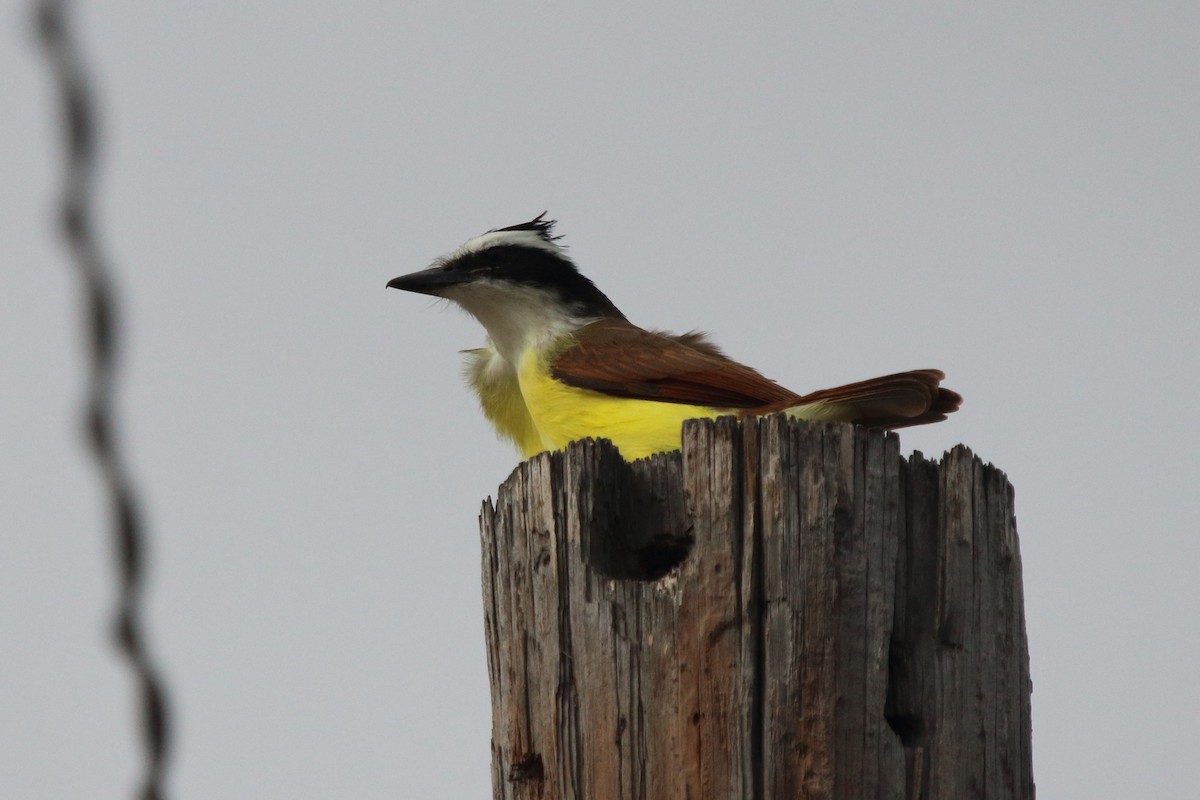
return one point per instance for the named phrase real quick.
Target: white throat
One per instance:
(516, 317)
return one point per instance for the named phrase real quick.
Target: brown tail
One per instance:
(892, 401)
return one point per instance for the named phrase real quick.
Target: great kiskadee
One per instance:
(563, 363)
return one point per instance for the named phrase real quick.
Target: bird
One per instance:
(562, 362)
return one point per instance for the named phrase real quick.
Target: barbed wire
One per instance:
(100, 327)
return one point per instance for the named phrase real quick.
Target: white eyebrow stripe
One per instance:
(501, 238)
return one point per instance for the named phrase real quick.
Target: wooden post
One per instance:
(843, 623)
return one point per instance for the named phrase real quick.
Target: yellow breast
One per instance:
(495, 383)
(562, 414)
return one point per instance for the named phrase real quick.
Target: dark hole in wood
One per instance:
(904, 693)
(527, 768)
(641, 530)
(909, 727)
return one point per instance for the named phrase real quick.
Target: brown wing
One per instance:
(619, 359)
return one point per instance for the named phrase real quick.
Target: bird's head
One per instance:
(517, 281)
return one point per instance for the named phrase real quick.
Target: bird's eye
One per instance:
(489, 259)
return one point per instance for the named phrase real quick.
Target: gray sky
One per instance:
(1010, 194)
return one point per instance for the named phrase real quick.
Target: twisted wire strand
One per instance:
(100, 328)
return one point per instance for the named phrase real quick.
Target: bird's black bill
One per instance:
(428, 281)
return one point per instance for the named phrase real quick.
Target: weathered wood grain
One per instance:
(843, 623)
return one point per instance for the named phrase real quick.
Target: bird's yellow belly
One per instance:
(563, 413)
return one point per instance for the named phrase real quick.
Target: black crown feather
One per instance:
(543, 227)
(547, 269)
